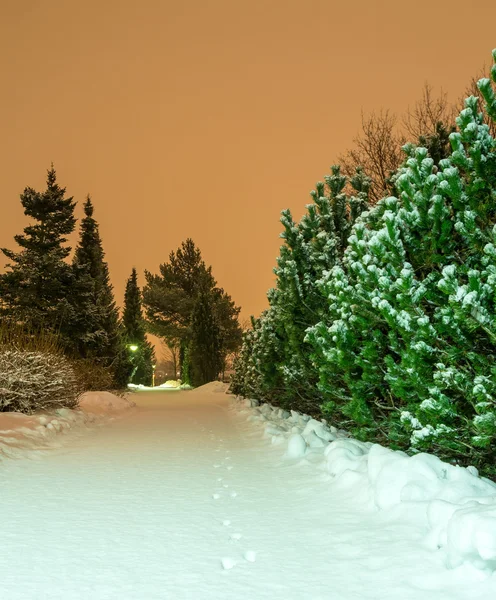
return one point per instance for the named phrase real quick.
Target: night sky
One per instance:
(205, 119)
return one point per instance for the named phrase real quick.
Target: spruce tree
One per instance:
(143, 357)
(35, 286)
(96, 330)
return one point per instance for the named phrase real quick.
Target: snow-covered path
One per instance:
(148, 506)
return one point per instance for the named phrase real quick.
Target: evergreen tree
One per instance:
(206, 341)
(170, 298)
(280, 355)
(245, 378)
(143, 357)
(34, 289)
(95, 329)
(438, 143)
(408, 343)
(405, 342)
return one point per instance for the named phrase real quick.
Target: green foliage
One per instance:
(404, 343)
(94, 331)
(279, 357)
(143, 358)
(170, 298)
(407, 345)
(42, 292)
(206, 340)
(438, 143)
(35, 287)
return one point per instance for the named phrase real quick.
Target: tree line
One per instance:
(383, 318)
(42, 291)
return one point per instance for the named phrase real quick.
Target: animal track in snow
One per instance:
(250, 556)
(233, 494)
(227, 563)
(226, 522)
(215, 496)
(219, 478)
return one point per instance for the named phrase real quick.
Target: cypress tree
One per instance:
(34, 289)
(143, 357)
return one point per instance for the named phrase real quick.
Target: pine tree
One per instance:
(438, 142)
(170, 298)
(244, 379)
(96, 329)
(280, 354)
(408, 343)
(405, 343)
(143, 357)
(34, 289)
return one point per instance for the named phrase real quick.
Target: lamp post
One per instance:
(153, 375)
(133, 349)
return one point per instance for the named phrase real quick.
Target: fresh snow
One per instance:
(21, 434)
(198, 495)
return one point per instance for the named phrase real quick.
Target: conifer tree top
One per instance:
(88, 207)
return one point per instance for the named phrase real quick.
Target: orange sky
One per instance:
(205, 119)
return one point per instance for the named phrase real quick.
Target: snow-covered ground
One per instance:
(196, 495)
(33, 435)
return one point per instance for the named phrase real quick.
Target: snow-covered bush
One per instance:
(32, 380)
(275, 361)
(454, 506)
(399, 331)
(407, 347)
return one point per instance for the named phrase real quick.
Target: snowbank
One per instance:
(38, 432)
(171, 384)
(168, 385)
(460, 506)
(103, 403)
(214, 387)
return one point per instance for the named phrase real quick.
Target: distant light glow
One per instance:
(133, 347)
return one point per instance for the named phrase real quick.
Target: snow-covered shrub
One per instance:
(32, 380)
(407, 347)
(275, 361)
(399, 331)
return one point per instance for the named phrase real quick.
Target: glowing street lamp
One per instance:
(133, 347)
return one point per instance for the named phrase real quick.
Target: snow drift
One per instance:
(459, 506)
(103, 403)
(37, 432)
